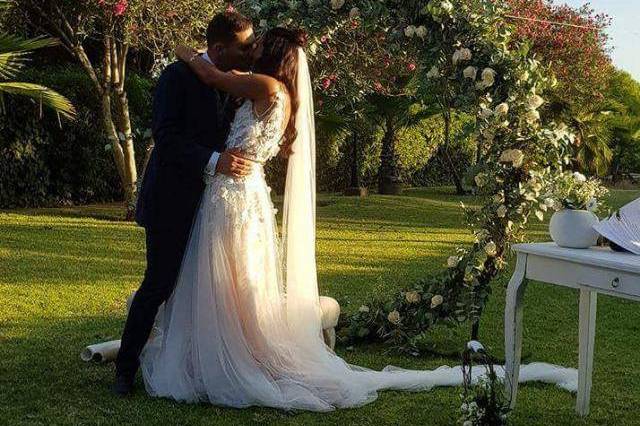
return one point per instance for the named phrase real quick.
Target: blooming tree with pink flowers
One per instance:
(117, 26)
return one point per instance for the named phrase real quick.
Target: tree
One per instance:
(394, 114)
(625, 125)
(573, 43)
(108, 29)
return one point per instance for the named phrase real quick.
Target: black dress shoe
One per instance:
(123, 385)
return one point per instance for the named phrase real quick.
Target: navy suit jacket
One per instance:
(190, 122)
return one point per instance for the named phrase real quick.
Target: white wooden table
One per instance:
(592, 271)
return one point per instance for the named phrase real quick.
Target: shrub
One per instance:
(45, 161)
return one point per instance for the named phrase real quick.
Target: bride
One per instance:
(243, 326)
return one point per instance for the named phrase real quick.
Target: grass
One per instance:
(65, 274)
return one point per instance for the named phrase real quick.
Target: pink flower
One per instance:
(326, 82)
(230, 8)
(323, 39)
(377, 86)
(411, 66)
(101, 3)
(120, 8)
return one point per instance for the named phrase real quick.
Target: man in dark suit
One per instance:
(190, 126)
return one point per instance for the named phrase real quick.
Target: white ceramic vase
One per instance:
(573, 228)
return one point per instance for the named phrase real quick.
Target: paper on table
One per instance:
(623, 229)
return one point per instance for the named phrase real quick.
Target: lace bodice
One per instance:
(258, 136)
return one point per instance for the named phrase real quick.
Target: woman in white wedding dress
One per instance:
(243, 326)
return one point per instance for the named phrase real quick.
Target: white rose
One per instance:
(363, 309)
(579, 177)
(354, 13)
(434, 72)
(491, 249)
(337, 4)
(446, 6)
(453, 261)
(410, 31)
(436, 301)
(502, 211)
(263, 23)
(502, 109)
(513, 156)
(463, 54)
(413, 297)
(532, 115)
(535, 102)
(488, 77)
(394, 317)
(470, 72)
(421, 31)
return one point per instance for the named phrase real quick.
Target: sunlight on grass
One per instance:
(65, 274)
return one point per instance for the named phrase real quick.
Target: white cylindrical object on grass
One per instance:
(101, 352)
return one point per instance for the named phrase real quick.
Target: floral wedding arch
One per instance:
(462, 53)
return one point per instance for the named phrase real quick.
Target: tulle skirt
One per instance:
(225, 338)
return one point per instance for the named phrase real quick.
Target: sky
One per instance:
(624, 31)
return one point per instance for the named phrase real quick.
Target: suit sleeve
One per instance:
(172, 145)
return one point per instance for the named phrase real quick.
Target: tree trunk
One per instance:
(355, 172)
(455, 176)
(129, 183)
(354, 188)
(389, 181)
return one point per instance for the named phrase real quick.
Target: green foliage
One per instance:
(478, 70)
(625, 125)
(25, 176)
(49, 162)
(14, 54)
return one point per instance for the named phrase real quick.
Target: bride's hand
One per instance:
(185, 53)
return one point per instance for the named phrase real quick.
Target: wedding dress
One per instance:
(242, 327)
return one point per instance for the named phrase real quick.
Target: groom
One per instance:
(190, 125)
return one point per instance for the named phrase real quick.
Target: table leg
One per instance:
(587, 332)
(513, 328)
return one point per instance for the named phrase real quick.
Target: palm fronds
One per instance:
(42, 94)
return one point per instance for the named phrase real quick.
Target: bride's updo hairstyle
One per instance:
(279, 59)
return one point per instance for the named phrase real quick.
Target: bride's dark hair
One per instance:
(279, 59)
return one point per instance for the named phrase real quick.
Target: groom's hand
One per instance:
(231, 163)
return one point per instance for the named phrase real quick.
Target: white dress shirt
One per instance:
(210, 169)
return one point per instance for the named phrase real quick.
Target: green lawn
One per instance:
(65, 274)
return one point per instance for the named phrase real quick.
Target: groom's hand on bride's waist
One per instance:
(231, 163)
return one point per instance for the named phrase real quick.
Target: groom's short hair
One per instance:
(224, 26)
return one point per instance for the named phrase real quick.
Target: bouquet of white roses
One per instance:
(575, 191)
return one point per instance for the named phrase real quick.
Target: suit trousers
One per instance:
(165, 250)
